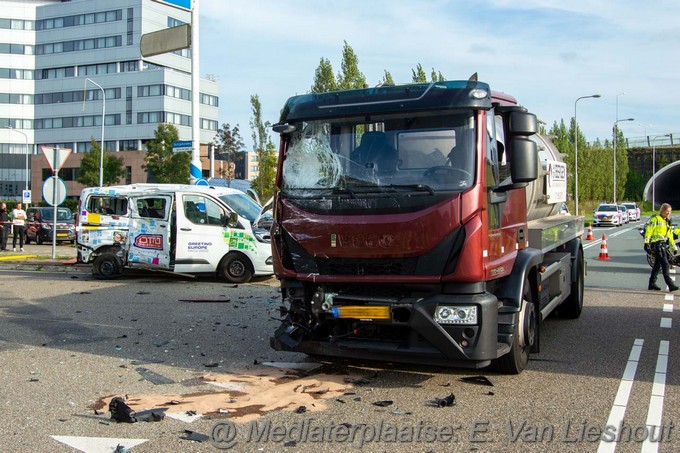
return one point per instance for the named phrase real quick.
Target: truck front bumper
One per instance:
(411, 335)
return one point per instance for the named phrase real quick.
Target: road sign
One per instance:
(182, 145)
(165, 40)
(25, 196)
(181, 4)
(54, 191)
(55, 156)
(202, 182)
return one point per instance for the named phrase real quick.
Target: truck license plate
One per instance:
(61, 234)
(362, 312)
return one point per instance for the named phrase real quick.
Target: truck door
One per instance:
(149, 244)
(202, 235)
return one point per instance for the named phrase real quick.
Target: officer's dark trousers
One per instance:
(660, 264)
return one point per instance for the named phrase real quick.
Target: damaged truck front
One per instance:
(413, 223)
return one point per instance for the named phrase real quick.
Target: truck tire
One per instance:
(236, 268)
(572, 306)
(107, 266)
(524, 337)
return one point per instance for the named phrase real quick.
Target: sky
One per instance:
(545, 53)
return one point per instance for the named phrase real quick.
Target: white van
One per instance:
(176, 228)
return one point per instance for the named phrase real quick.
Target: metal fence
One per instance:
(648, 141)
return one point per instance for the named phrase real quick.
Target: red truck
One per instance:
(419, 223)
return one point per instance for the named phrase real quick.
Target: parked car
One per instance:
(40, 224)
(608, 214)
(633, 210)
(624, 214)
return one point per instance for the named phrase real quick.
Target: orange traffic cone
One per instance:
(590, 236)
(604, 255)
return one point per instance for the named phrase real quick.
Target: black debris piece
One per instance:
(447, 401)
(300, 410)
(191, 413)
(193, 435)
(96, 412)
(121, 449)
(122, 336)
(211, 365)
(290, 443)
(358, 398)
(256, 362)
(153, 377)
(143, 292)
(120, 411)
(383, 403)
(489, 393)
(34, 379)
(74, 276)
(150, 415)
(479, 380)
(159, 343)
(172, 403)
(340, 401)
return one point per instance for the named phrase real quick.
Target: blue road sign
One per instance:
(183, 4)
(202, 182)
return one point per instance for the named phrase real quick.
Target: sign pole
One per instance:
(55, 172)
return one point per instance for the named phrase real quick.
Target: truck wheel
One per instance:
(235, 268)
(573, 305)
(524, 337)
(107, 266)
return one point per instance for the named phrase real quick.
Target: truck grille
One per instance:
(402, 266)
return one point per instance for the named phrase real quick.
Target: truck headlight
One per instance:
(449, 314)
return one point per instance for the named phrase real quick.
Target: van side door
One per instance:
(149, 235)
(202, 234)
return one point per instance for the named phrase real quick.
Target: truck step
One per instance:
(502, 349)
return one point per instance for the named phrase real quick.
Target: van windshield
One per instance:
(244, 206)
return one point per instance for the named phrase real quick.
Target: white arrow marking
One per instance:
(97, 444)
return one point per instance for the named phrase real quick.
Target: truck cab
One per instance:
(176, 228)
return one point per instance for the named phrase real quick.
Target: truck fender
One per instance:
(573, 247)
(511, 291)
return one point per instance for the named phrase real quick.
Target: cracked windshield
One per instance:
(395, 155)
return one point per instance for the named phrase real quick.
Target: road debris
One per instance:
(479, 380)
(447, 401)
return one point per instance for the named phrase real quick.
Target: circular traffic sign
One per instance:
(54, 190)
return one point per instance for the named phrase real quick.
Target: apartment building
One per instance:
(63, 62)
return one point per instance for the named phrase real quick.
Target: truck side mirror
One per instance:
(523, 160)
(523, 123)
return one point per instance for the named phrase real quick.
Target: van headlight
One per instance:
(459, 314)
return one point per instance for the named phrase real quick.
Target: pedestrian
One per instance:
(658, 241)
(5, 225)
(19, 224)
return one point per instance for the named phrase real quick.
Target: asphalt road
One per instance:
(69, 344)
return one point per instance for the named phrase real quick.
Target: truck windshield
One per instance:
(399, 154)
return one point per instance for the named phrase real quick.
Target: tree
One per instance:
(419, 75)
(229, 146)
(165, 165)
(621, 163)
(350, 76)
(266, 152)
(324, 80)
(387, 78)
(88, 173)
(437, 76)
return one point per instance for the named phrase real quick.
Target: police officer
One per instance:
(658, 239)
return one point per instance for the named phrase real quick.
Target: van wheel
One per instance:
(236, 268)
(107, 266)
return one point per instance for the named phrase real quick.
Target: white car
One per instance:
(633, 211)
(624, 214)
(608, 214)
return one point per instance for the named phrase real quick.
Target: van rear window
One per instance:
(107, 205)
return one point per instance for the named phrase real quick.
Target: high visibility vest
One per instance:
(659, 229)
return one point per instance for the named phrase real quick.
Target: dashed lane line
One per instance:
(622, 395)
(651, 444)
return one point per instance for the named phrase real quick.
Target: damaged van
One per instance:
(183, 229)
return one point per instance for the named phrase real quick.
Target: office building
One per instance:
(58, 58)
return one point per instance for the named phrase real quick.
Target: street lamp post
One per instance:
(654, 169)
(576, 148)
(27, 150)
(615, 129)
(101, 148)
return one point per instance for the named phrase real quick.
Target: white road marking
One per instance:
(622, 395)
(656, 400)
(668, 308)
(668, 297)
(666, 323)
(97, 444)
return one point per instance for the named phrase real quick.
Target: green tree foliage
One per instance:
(88, 173)
(437, 76)
(228, 146)
(419, 75)
(621, 164)
(266, 152)
(324, 80)
(350, 76)
(165, 165)
(635, 186)
(387, 78)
